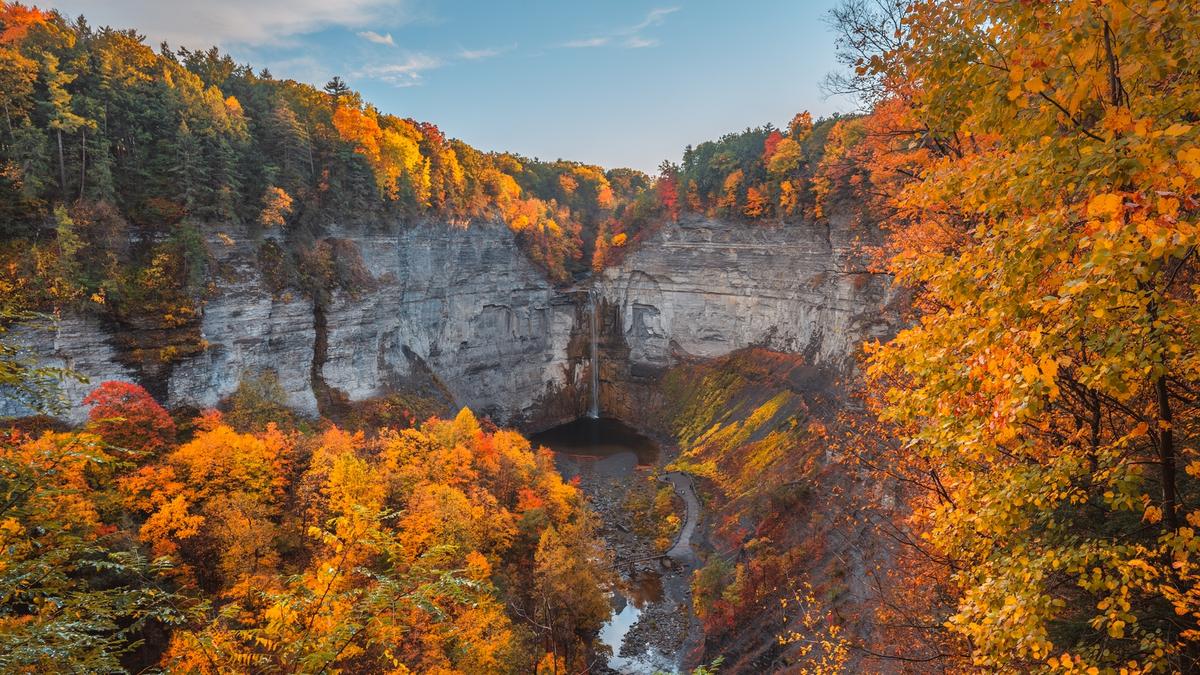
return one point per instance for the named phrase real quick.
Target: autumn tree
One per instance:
(731, 188)
(214, 501)
(276, 207)
(756, 201)
(73, 596)
(1044, 392)
(668, 189)
(568, 599)
(127, 417)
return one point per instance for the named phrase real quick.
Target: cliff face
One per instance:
(247, 329)
(467, 304)
(704, 288)
(464, 305)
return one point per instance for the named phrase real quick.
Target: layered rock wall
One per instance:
(704, 288)
(465, 305)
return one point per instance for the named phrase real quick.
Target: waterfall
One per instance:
(594, 411)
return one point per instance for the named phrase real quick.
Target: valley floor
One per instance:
(653, 628)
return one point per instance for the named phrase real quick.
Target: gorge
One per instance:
(294, 380)
(459, 314)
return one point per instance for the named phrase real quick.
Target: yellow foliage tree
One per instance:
(1046, 393)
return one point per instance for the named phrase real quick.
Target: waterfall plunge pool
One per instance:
(598, 438)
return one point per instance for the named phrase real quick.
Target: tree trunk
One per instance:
(82, 160)
(1166, 455)
(62, 166)
(312, 170)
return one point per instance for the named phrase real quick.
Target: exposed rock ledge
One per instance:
(707, 288)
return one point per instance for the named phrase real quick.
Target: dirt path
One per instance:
(682, 550)
(692, 648)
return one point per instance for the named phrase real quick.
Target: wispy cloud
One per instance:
(411, 71)
(589, 42)
(654, 18)
(407, 73)
(481, 54)
(629, 36)
(237, 22)
(372, 36)
(638, 42)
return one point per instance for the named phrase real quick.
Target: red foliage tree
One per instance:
(770, 145)
(668, 193)
(126, 416)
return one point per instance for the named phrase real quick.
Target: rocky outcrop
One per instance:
(464, 305)
(704, 288)
(75, 343)
(246, 328)
(467, 304)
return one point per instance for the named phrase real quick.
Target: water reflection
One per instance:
(632, 598)
(645, 587)
(612, 633)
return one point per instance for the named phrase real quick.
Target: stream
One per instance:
(651, 606)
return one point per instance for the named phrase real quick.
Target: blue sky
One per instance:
(618, 83)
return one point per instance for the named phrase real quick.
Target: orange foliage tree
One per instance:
(75, 597)
(1037, 163)
(389, 555)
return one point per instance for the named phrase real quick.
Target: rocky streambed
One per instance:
(619, 470)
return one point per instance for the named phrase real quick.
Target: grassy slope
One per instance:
(780, 507)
